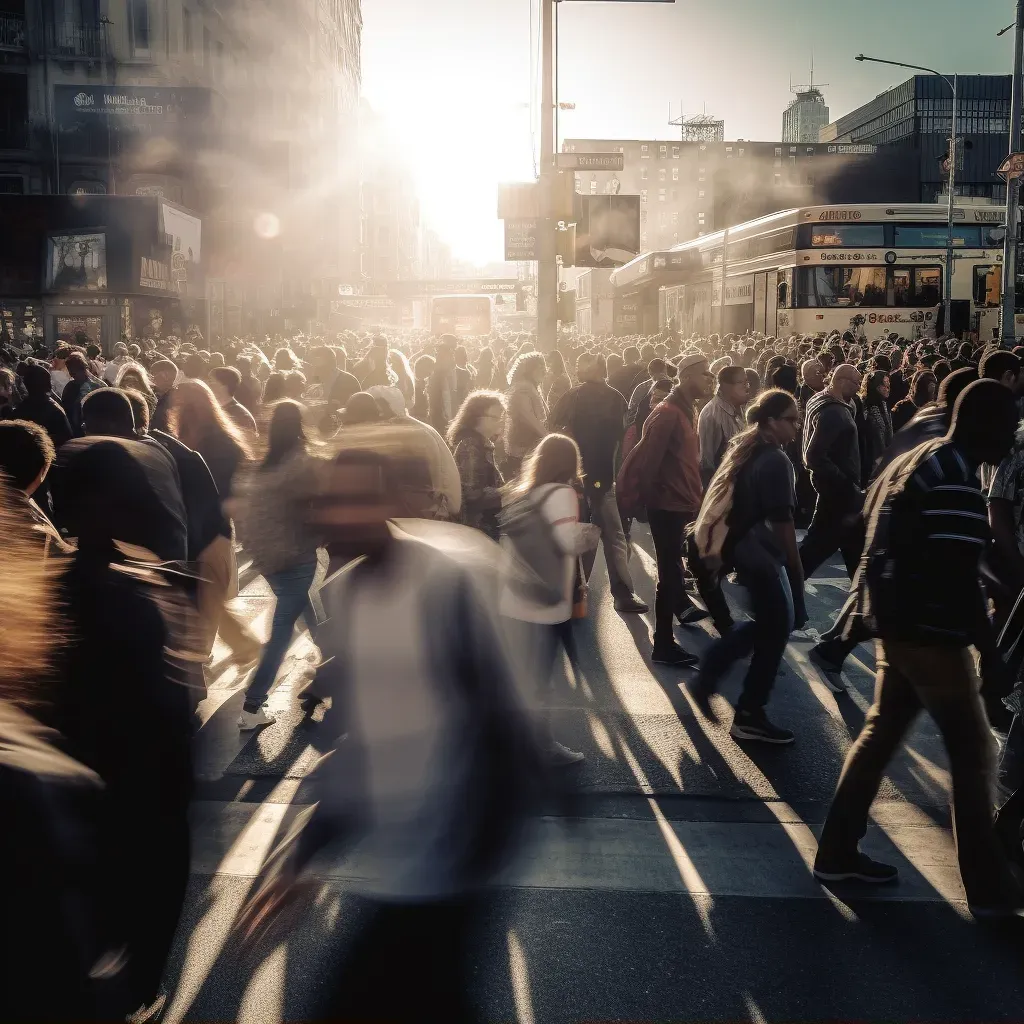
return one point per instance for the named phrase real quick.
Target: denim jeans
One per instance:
(291, 588)
(604, 512)
(829, 532)
(765, 637)
(942, 681)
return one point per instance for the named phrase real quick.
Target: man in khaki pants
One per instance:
(918, 591)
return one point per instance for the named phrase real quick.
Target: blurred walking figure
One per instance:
(438, 770)
(471, 437)
(442, 387)
(124, 707)
(198, 422)
(877, 430)
(746, 523)
(556, 380)
(918, 591)
(543, 536)
(525, 422)
(272, 515)
(592, 414)
(722, 419)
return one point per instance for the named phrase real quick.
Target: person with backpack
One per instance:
(543, 537)
(919, 593)
(746, 523)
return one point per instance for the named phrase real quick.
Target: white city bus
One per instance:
(872, 269)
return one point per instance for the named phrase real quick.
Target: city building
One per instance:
(172, 99)
(805, 116)
(688, 189)
(913, 118)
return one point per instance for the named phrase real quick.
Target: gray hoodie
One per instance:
(832, 449)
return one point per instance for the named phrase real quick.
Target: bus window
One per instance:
(784, 279)
(933, 236)
(987, 286)
(901, 287)
(854, 235)
(927, 286)
(841, 286)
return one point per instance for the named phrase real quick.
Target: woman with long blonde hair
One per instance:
(538, 595)
(198, 422)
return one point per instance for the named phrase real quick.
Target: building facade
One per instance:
(688, 189)
(243, 112)
(805, 116)
(915, 117)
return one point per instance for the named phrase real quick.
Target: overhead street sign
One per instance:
(520, 240)
(1012, 166)
(590, 161)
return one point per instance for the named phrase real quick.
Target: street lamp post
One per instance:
(948, 290)
(1007, 330)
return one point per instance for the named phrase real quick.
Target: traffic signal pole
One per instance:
(547, 268)
(1008, 298)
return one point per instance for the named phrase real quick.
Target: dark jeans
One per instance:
(291, 588)
(828, 533)
(942, 681)
(765, 637)
(428, 945)
(668, 532)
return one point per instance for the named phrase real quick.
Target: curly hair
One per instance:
(472, 409)
(524, 364)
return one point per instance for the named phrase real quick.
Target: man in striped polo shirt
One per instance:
(918, 591)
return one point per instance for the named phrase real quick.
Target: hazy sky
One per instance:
(453, 77)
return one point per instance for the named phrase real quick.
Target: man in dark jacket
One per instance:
(592, 413)
(832, 455)
(81, 384)
(42, 407)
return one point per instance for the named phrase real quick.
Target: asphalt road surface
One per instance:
(679, 890)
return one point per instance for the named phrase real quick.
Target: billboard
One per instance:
(77, 262)
(184, 234)
(607, 230)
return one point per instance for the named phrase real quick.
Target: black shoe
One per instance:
(750, 725)
(688, 616)
(673, 654)
(630, 603)
(832, 670)
(860, 869)
(703, 689)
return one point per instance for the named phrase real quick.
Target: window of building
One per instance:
(661, 195)
(644, 173)
(740, 151)
(643, 195)
(663, 151)
(700, 218)
(987, 286)
(675, 152)
(138, 27)
(644, 151)
(700, 193)
(778, 151)
(675, 173)
(662, 174)
(593, 187)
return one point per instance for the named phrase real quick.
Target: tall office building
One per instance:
(805, 116)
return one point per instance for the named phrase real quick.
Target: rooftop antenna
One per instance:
(805, 90)
(697, 127)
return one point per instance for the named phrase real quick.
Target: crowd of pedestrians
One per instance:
(131, 487)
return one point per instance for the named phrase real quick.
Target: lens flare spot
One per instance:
(267, 225)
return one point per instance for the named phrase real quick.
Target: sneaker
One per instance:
(688, 616)
(749, 725)
(861, 869)
(631, 603)
(673, 655)
(831, 671)
(254, 719)
(560, 756)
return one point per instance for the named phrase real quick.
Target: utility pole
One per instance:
(547, 268)
(1006, 317)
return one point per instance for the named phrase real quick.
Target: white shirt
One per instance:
(58, 380)
(561, 507)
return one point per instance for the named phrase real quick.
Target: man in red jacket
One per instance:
(667, 468)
